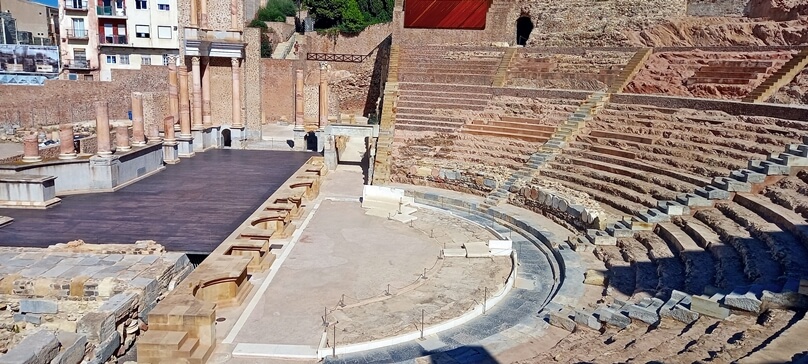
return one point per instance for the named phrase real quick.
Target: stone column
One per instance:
(153, 133)
(234, 62)
(122, 138)
(323, 121)
(168, 124)
(197, 81)
(138, 131)
(299, 101)
(194, 14)
(185, 111)
(203, 14)
(66, 147)
(173, 92)
(234, 23)
(102, 128)
(30, 148)
(206, 94)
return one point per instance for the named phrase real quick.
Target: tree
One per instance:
(353, 21)
(277, 10)
(327, 12)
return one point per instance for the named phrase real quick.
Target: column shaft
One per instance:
(102, 128)
(203, 14)
(299, 103)
(66, 148)
(30, 148)
(197, 81)
(234, 62)
(234, 23)
(173, 92)
(206, 93)
(138, 131)
(122, 138)
(168, 124)
(323, 121)
(185, 111)
(194, 14)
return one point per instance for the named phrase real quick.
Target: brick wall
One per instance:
(362, 43)
(251, 84)
(155, 108)
(40, 104)
(278, 88)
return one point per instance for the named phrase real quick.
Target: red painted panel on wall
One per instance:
(446, 14)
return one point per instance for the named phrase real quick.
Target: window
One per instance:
(124, 58)
(112, 59)
(163, 5)
(165, 60)
(141, 4)
(142, 31)
(163, 32)
(145, 60)
(88, 77)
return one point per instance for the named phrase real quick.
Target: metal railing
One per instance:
(78, 64)
(77, 34)
(112, 39)
(331, 57)
(76, 5)
(110, 11)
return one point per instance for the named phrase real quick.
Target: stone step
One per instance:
(693, 200)
(748, 176)
(731, 185)
(654, 216)
(799, 150)
(673, 208)
(769, 168)
(712, 193)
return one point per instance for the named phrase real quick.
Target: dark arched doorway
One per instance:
(523, 28)
(311, 141)
(226, 139)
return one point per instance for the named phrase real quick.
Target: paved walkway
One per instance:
(192, 206)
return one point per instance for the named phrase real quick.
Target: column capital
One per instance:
(195, 61)
(323, 65)
(234, 62)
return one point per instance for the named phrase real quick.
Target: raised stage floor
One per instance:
(191, 206)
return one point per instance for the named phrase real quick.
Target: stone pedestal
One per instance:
(299, 138)
(171, 152)
(203, 140)
(320, 134)
(216, 137)
(237, 134)
(31, 149)
(104, 172)
(185, 147)
(330, 153)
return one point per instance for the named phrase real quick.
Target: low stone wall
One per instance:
(78, 302)
(729, 107)
(95, 174)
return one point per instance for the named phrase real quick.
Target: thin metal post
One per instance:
(388, 289)
(424, 276)
(422, 323)
(325, 316)
(334, 346)
(485, 298)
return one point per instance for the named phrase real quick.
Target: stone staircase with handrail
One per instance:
(780, 78)
(381, 165)
(633, 66)
(502, 72)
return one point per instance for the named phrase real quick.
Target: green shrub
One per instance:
(277, 10)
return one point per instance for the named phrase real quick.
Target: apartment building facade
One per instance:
(99, 36)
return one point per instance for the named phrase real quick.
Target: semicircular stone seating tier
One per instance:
(697, 232)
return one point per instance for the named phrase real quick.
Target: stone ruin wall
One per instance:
(19, 104)
(716, 8)
(155, 108)
(75, 301)
(278, 89)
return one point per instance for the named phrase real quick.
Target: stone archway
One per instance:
(226, 138)
(523, 28)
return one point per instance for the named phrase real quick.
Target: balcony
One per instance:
(76, 5)
(77, 34)
(113, 40)
(77, 64)
(110, 11)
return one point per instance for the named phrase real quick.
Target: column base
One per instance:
(68, 156)
(170, 153)
(203, 139)
(185, 147)
(123, 149)
(102, 154)
(138, 144)
(299, 138)
(32, 159)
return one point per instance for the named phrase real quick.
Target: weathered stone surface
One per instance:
(682, 314)
(119, 305)
(38, 348)
(586, 319)
(561, 320)
(96, 325)
(612, 317)
(709, 306)
(745, 301)
(595, 278)
(73, 346)
(106, 348)
(28, 317)
(646, 310)
(38, 306)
